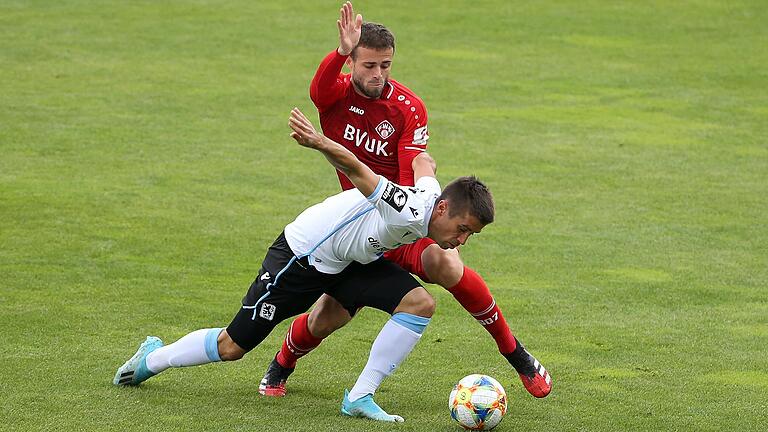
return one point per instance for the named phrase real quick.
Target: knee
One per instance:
(228, 349)
(443, 266)
(417, 302)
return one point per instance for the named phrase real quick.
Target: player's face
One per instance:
(450, 232)
(370, 70)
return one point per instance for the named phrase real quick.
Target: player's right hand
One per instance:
(303, 131)
(349, 29)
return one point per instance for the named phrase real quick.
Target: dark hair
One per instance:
(468, 194)
(375, 36)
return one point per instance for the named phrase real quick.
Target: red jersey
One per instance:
(384, 133)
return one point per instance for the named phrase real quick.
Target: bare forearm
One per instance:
(342, 159)
(423, 166)
(364, 179)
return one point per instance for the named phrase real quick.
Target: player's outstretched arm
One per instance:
(423, 166)
(364, 179)
(327, 85)
(349, 29)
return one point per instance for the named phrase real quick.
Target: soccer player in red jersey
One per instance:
(385, 125)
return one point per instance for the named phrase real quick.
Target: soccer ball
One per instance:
(478, 402)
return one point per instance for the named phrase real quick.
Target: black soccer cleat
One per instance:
(273, 383)
(535, 378)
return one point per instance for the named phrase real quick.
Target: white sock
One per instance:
(196, 348)
(391, 347)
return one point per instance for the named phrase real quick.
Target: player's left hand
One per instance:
(303, 131)
(350, 29)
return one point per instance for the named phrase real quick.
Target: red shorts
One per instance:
(409, 257)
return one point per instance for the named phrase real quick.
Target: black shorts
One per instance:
(287, 286)
(381, 284)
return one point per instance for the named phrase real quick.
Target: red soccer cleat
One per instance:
(540, 384)
(273, 383)
(535, 378)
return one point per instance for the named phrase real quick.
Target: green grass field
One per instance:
(145, 166)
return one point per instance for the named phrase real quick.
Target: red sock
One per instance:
(474, 295)
(297, 343)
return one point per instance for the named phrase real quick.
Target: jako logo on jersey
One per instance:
(356, 110)
(371, 145)
(265, 276)
(385, 129)
(267, 311)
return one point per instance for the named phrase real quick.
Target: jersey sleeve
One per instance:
(328, 83)
(428, 185)
(413, 141)
(398, 205)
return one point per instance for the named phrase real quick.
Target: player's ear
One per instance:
(442, 207)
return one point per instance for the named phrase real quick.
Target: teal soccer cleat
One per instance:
(135, 371)
(365, 407)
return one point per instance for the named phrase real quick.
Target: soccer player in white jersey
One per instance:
(385, 125)
(335, 247)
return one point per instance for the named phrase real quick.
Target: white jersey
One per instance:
(350, 227)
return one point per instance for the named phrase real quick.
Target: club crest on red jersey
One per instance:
(385, 129)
